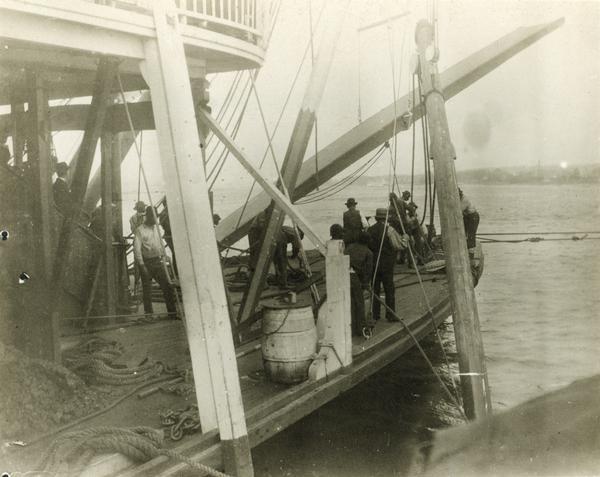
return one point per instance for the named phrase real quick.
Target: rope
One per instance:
(303, 258)
(424, 354)
(287, 99)
(538, 233)
(138, 150)
(138, 443)
(99, 412)
(575, 238)
(343, 183)
(428, 304)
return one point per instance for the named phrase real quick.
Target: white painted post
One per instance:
(339, 328)
(204, 298)
(335, 345)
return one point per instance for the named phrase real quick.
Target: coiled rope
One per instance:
(72, 452)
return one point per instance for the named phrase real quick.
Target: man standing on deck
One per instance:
(354, 223)
(149, 253)
(137, 219)
(470, 219)
(361, 272)
(384, 257)
(61, 189)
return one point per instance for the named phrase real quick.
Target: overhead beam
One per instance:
(377, 129)
(73, 116)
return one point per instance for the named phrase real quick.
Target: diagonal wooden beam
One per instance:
(107, 69)
(377, 129)
(270, 189)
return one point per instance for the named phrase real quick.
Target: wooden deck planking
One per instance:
(269, 407)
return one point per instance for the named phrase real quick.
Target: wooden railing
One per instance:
(243, 18)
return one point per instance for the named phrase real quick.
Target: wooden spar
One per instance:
(293, 159)
(377, 129)
(93, 192)
(208, 327)
(39, 154)
(273, 192)
(458, 268)
(106, 168)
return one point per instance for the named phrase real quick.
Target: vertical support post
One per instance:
(17, 110)
(293, 159)
(93, 192)
(208, 328)
(41, 340)
(464, 305)
(106, 167)
(118, 152)
(339, 326)
(335, 321)
(40, 157)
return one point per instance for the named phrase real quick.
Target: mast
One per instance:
(462, 294)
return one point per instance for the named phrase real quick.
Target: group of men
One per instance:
(372, 259)
(375, 249)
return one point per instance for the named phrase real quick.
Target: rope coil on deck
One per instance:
(72, 452)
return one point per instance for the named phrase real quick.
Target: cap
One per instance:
(62, 166)
(140, 206)
(351, 201)
(381, 213)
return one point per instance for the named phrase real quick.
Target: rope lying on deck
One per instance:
(73, 451)
(94, 359)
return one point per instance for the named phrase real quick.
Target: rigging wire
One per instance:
(287, 99)
(316, 125)
(343, 183)
(394, 181)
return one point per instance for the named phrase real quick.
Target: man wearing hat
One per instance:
(137, 219)
(354, 223)
(61, 189)
(384, 258)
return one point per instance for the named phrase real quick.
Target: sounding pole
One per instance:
(469, 345)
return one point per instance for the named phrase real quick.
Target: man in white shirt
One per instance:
(149, 253)
(137, 219)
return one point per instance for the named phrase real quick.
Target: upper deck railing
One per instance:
(245, 19)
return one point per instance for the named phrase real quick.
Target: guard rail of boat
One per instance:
(244, 18)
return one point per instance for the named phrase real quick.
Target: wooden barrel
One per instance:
(289, 341)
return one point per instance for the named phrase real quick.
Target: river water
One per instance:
(538, 306)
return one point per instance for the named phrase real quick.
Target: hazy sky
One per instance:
(542, 105)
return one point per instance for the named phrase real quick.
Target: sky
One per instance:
(543, 105)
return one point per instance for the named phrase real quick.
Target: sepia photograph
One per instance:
(300, 238)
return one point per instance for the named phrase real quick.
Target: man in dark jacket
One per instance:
(61, 189)
(384, 257)
(361, 272)
(353, 222)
